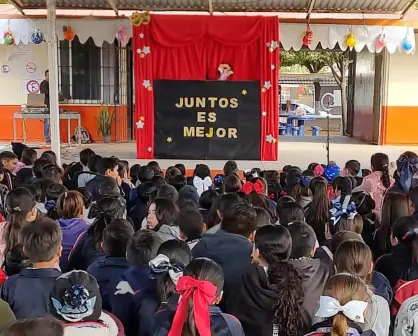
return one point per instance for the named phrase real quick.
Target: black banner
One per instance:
(207, 120)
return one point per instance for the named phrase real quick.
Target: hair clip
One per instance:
(17, 209)
(65, 194)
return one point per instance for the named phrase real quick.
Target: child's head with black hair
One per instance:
(293, 183)
(263, 217)
(172, 257)
(312, 166)
(158, 181)
(232, 184)
(380, 163)
(29, 156)
(92, 162)
(104, 211)
(230, 168)
(71, 171)
(36, 191)
(109, 187)
(18, 148)
(143, 247)
(133, 172)
(227, 203)
(85, 155)
(16, 260)
(365, 172)
(290, 212)
(343, 186)
(52, 173)
(168, 191)
(154, 165)
(178, 182)
(207, 198)
(181, 167)
(34, 327)
(404, 232)
(145, 174)
(116, 236)
(171, 173)
(351, 168)
(202, 171)
(303, 240)
(50, 156)
(241, 220)
(122, 170)
(161, 211)
(87, 197)
(53, 192)
(108, 166)
(8, 160)
(191, 224)
(186, 194)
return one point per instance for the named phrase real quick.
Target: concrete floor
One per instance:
(292, 150)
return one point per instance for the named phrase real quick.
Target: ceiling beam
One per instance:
(310, 9)
(17, 6)
(114, 7)
(407, 8)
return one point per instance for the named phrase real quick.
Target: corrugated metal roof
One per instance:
(366, 6)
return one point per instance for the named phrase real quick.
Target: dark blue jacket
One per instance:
(220, 324)
(126, 293)
(104, 271)
(93, 186)
(28, 293)
(84, 253)
(382, 287)
(231, 251)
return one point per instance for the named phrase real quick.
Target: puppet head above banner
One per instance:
(225, 71)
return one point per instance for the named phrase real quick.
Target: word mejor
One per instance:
(208, 132)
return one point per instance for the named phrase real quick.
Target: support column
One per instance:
(53, 80)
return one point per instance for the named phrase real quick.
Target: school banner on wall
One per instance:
(207, 120)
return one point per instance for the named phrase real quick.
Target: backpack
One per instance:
(401, 292)
(407, 318)
(81, 135)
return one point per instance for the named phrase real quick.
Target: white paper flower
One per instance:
(267, 85)
(149, 149)
(273, 67)
(146, 83)
(269, 138)
(140, 124)
(268, 44)
(264, 113)
(141, 35)
(146, 50)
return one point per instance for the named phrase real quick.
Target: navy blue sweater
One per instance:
(126, 293)
(104, 271)
(28, 293)
(220, 324)
(84, 253)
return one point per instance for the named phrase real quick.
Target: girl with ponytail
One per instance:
(317, 212)
(200, 288)
(377, 183)
(269, 298)
(342, 305)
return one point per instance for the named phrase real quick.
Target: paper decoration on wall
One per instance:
(122, 35)
(266, 86)
(5, 69)
(272, 45)
(225, 71)
(8, 38)
(68, 33)
(406, 45)
(270, 139)
(140, 18)
(380, 42)
(37, 37)
(350, 40)
(307, 38)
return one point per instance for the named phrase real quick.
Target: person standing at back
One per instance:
(45, 91)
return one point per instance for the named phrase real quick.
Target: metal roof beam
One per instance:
(407, 8)
(114, 7)
(310, 9)
(17, 6)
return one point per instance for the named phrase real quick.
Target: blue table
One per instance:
(291, 119)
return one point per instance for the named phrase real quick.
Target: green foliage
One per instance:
(415, 6)
(313, 61)
(2, 2)
(105, 120)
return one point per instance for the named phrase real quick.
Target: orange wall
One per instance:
(399, 125)
(34, 128)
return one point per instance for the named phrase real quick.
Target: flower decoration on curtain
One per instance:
(273, 45)
(225, 71)
(271, 139)
(264, 113)
(147, 84)
(140, 123)
(266, 86)
(308, 36)
(144, 51)
(140, 18)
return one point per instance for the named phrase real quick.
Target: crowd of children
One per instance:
(100, 248)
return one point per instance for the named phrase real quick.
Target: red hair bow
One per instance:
(258, 187)
(203, 294)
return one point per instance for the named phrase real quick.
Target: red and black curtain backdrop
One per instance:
(186, 47)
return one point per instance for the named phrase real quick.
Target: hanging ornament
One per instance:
(406, 45)
(68, 33)
(350, 40)
(8, 37)
(380, 42)
(122, 35)
(140, 18)
(307, 38)
(37, 37)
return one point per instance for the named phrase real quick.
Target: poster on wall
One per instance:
(31, 86)
(217, 120)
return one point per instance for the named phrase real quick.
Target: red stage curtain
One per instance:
(192, 47)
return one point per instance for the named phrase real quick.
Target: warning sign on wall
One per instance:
(31, 86)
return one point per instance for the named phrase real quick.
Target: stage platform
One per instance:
(298, 151)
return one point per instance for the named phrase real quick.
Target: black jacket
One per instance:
(315, 274)
(252, 303)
